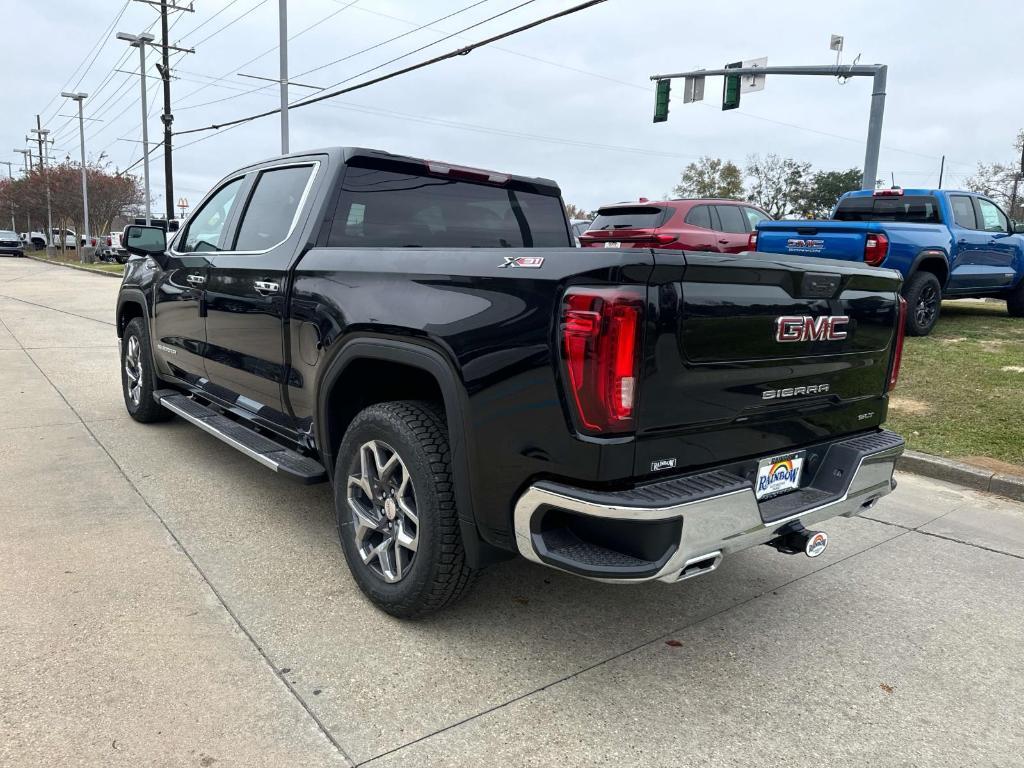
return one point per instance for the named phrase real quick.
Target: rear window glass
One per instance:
(630, 217)
(700, 216)
(915, 209)
(732, 219)
(390, 208)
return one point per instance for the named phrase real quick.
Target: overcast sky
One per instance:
(570, 100)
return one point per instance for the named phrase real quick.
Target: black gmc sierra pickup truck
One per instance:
(424, 337)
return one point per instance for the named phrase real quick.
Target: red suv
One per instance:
(724, 226)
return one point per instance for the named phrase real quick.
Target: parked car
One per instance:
(10, 243)
(113, 250)
(423, 336)
(579, 226)
(722, 226)
(946, 244)
(33, 241)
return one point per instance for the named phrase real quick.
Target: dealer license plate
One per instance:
(610, 244)
(778, 474)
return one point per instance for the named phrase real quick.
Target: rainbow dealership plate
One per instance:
(778, 474)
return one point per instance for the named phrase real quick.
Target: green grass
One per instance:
(70, 257)
(958, 395)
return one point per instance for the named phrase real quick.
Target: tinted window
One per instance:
(580, 227)
(630, 217)
(963, 211)
(992, 219)
(388, 208)
(916, 209)
(732, 218)
(755, 217)
(206, 225)
(272, 207)
(700, 216)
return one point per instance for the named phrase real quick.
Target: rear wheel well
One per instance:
(367, 381)
(127, 312)
(936, 265)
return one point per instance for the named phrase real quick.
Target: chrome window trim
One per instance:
(314, 164)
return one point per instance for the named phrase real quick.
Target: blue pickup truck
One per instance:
(947, 244)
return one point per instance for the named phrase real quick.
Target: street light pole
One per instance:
(140, 41)
(282, 47)
(80, 98)
(27, 156)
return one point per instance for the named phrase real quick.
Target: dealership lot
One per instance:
(164, 600)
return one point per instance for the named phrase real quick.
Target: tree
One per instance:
(710, 177)
(777, 183)
(824, 189)
(1002, 182)
(576, 212)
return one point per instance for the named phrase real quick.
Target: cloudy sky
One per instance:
(570, 100)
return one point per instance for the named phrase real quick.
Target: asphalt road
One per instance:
(166, 601)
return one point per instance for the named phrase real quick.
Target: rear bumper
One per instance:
(683, 527)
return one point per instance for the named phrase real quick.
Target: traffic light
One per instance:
(661, 97)
(731, 89)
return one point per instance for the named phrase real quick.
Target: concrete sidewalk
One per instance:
(165, 601)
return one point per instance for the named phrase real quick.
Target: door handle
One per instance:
(723, 242)
(196, 279)
(265, 288)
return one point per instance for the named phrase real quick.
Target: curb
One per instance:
(79, 267)
(966, 475)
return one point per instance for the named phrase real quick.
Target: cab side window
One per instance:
(732, 219)
(991, 218)
(206, 226)
(272, 208)
(700, 216)
(963, 211)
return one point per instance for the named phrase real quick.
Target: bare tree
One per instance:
(1002, 182)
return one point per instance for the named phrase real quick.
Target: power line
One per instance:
(258, 57)
(411, 68)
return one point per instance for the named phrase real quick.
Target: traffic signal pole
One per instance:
(877, 72)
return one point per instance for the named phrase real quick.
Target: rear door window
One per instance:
(384, 207)
(732, 219)
(963, 211)
(914, 209)
(700, 216)
(273, 207)
(630, 217)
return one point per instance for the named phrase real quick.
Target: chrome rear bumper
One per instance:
(715, 514)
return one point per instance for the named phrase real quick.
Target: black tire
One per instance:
(1015, 301)
(436, 574)
(924, 302)
(140, 403)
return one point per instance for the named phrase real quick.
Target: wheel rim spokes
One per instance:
(383, 507)
(133, 369)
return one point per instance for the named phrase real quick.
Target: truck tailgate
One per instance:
(833, 239)
(718, 385)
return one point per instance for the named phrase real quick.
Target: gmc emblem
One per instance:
(807, 328)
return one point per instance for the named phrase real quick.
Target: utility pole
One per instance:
(26, 155)
(42, 133)
(282, 47)
(877, 72)
(140, 42)
(80, 98)
(942, 170)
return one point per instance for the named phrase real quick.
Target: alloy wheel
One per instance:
(133, 369)
(927, 306)
(383, 506)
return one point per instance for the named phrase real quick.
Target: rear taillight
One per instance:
(665, 239)
(897, 351)
(752, 241)
(876, 248)
(600, 332)
(109, 243)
